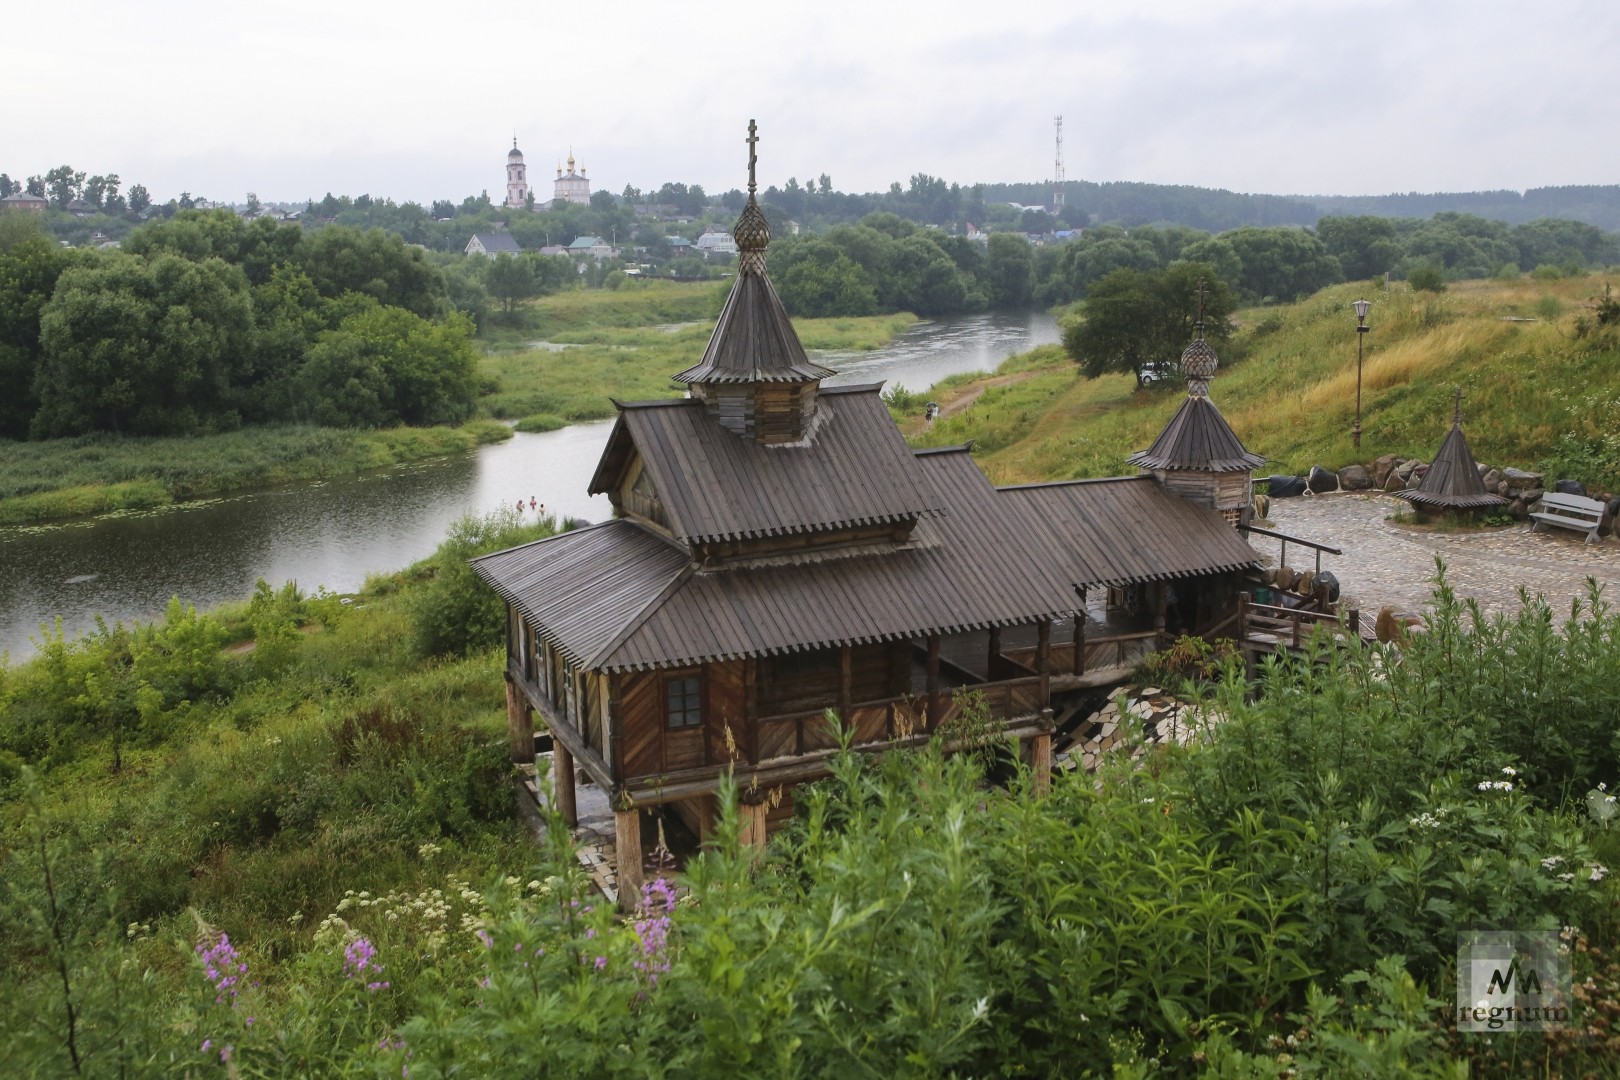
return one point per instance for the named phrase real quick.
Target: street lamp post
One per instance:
(1361, 307)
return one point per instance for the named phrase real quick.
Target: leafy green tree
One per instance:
(8, 186)
(64, 185)
(258, 247)
(816, 280)
(30, 264)
(1217, 253)
(1132, 320)
(139, 199)
(142, 346)
(510, 280)
(288, 315)
(384, 366)
(1364, 246)
(1282, 262)
(340, 259)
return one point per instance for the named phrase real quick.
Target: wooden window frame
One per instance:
(692, 709)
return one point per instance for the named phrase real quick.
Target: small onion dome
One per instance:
(514, 154)
(752, 232)
(1198, 364)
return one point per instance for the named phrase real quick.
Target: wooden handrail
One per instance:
(1300, 540)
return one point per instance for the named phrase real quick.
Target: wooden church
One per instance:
(777, 550)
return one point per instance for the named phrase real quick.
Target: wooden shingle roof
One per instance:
(853, 468)
(1126, 529)
(618, 597)
(1197, 438)
(1453, 481)
(754, 340)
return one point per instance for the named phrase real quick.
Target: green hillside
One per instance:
(1536, 393)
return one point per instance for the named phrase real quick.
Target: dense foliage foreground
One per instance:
(305, 860)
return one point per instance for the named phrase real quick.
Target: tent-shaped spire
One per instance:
(1198, 438)
(754, 341)
(1453, 481)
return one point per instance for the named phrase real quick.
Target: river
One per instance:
(127, 566)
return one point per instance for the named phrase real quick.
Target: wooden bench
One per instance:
(1569, 512)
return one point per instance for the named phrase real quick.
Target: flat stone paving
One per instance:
(1384, 563)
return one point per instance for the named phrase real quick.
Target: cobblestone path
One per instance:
(1394, 564)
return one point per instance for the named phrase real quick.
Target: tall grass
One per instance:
(1534, 393)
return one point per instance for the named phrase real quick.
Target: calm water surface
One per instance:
(335, 533)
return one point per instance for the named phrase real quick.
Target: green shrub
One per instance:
(455, 613)
(1427, 277)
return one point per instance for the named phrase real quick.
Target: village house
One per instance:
(593, 247)
(777, 550)
(22, 200)
(716, 242)
(492, 244)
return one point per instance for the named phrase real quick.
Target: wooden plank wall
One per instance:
(641, 723)
(725, 708)
(805, 681)
(778, 413)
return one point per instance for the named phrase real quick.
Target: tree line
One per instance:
(887, 263)
(206, 322)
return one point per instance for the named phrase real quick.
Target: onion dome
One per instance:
(514, 154)
(754, 340)
(1198, 438)
(1198, 365)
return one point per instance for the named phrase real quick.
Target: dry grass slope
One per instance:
(1533, 390)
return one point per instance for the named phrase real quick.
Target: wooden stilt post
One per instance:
(846, 686)
(627, 852)
(562, 782)
(933, 680)
(1040, 762)
(995, 654)
(1078, 666)
(1043, 658)
(752, 832)
(519, 725)
(1161, 600)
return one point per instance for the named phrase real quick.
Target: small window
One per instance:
(681, 702)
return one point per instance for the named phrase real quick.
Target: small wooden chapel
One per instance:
(777, 550)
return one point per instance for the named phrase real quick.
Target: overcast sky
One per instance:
(415, 100)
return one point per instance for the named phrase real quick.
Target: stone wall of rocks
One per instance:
(1392, 473)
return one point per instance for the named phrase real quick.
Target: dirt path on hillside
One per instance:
(965, 398)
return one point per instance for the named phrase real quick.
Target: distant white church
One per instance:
(517, 181)
(574, 187)
(571, 186)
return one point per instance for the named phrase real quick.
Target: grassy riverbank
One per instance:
(583, 364)
(603, 344)
(95, 474)
(1535, 394)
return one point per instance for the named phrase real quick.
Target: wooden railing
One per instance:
(795, 734)
(1293, 624)
(1282, 558)
(1113, 651)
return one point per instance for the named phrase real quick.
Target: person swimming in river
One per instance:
(533, 502)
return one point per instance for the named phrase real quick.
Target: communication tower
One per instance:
(1057, 171)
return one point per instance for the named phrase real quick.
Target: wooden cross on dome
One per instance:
(753, 158)
(1200, 323)
(1456, 408)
